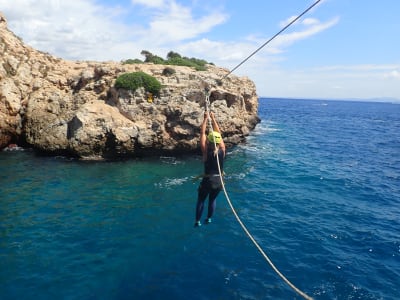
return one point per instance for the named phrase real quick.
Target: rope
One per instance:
(304, 295)
(297, 290)
(267, 42)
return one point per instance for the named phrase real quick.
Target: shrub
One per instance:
(157, 60)
(150, 57)
(132, 61)
(168, 71)
(200, 68)
(180, 61)
(175, 59)
(172, 54)
(135, 80)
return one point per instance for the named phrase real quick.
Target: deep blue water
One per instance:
(317, 184)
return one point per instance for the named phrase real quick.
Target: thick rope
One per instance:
(304, 295)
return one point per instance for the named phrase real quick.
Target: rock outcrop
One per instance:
(72, 107)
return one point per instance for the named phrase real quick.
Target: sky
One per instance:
(341, 49)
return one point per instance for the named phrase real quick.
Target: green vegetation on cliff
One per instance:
(173, 58)
(135, 80)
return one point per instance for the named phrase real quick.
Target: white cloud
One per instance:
(310, 21)
(69, 29)
(177, 23)
(149, 3)
(85, 30)
(333, 82)
(82, 29)
(303, 29)
(309, 28)
(220, 53)
(393, 74)
(364, 67)
(287, 21)
(230, 53)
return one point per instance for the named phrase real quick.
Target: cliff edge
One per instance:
(73, 107)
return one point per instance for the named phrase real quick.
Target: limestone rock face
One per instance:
(67, 107)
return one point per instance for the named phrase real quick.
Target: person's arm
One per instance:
(217, 129)
(203, 137)
(214, 123)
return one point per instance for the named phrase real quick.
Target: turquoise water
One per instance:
(317, 184)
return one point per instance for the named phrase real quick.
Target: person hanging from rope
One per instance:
(211, 146)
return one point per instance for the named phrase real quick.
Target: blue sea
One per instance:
(317, 184)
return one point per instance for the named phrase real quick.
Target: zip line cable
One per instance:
(208, 107)
(297, 290)
(267, 42)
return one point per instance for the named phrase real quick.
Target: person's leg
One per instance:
(212, 203)
(202, 195)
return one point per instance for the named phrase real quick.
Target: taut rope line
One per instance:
(297, 290)
(267, 42)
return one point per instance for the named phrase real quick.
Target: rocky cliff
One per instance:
(73, 108)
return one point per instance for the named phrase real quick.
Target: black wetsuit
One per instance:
(211, 184)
